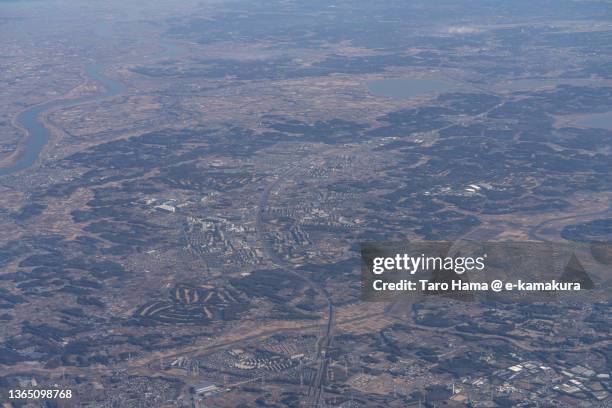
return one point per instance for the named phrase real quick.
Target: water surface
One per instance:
(403, 88)
(38, 135)
(528, 84)
(600, 120)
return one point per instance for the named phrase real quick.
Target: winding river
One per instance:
(38, 134)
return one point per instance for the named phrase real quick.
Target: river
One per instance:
(38, 134)
(30, 119)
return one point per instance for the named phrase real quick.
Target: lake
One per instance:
(403, 88)
(530, 84)
(600, 120)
